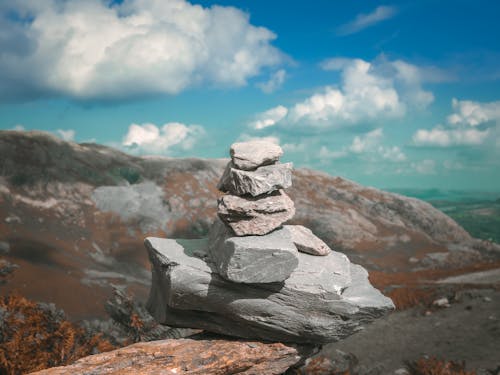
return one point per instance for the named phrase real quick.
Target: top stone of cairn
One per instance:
(250, 155)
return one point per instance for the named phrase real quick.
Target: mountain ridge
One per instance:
(75, 216)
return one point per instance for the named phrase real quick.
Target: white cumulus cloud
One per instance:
(66, 134)
(366, 142)
(368, 146)
(151, 138)
(326, 153)
(362, 21)
(473, 113)
(367, 91)
(449, 137)
(393, 153)
(371, 144)
(275, 82)
(269, 117)
(90, 49)
(427, 166)
(468, 125)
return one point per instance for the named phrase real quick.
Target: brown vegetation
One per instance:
(409, 289)
(36, 336)
(434, 366)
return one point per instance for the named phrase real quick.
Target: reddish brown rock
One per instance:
(306, 241)
(255, 216)
(187, 356)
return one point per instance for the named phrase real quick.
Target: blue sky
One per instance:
(389, 94)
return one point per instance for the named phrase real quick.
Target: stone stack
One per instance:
(249, 243)
(255, 277)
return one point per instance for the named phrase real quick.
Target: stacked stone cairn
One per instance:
(251, 245)
(254, 277)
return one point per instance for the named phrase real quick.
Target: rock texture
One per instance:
(260, 181)
(250, 155)
(324, 299)
(252, 259)
(186, 356)
(306, 241)
(257, 284)
(56, 214)
(255, 216)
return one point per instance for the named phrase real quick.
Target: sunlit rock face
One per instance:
(259, 284)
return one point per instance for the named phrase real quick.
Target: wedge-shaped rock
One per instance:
(255, 215)
(261, 181)
(324, 299)
(252, 259)
(253, 154)
(306, 242)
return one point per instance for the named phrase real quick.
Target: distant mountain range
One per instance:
(74, 217)
(448, 195)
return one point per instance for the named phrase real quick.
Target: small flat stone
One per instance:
(255, 216)
(253, 154)
(306, 241)
(263, 180)
(252, 259)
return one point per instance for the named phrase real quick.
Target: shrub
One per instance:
(131, 175)
(434, 366)
(35, 336)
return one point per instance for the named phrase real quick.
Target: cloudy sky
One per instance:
(390, 94)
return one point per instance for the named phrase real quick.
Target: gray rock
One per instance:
(255, 216)
(323, 300)
(252, 259)
(4, 247)
(306, 241)
(261, 181)
(250, 155)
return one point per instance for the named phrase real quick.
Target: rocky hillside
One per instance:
(73, 218)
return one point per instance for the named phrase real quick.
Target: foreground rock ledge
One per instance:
(186, 356)
(324, 299)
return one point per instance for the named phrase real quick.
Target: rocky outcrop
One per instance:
(261, 287)
(187, 356)
(86, 207)
(187, 291)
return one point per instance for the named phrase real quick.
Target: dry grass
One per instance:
(37, 336)
(409, 289)
(434, 366)
(407, 297)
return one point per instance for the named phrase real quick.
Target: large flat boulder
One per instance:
(252, 259)
(253, 154)
(324, 299)
(263, 180)
(255, 216)
(187, 356)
